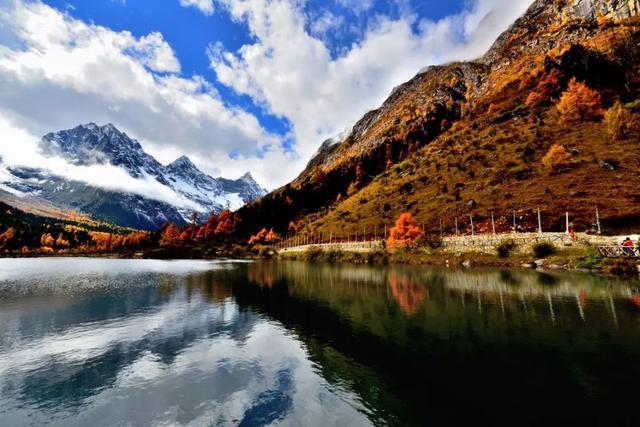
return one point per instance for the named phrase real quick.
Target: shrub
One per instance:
(534, 99)
(619, 121)
(505, 248)
(313, 253)
(543, 250)
(579, 102)
(432, 240)
(592, 259)
(557, 157)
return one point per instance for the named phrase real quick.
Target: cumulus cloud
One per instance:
(293, 74)
(205, 6)
(58, 72)
(19, 148)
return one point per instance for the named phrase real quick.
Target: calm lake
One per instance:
(99, 342)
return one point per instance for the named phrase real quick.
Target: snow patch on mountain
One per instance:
(97, 147)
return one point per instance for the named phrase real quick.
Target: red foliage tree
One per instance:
(226, 223)
(170, 236)
(264, 237)
(405, 233)
(547, 87)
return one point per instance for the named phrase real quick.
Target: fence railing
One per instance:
(619, 252)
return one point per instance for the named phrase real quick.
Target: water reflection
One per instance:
(300, 344)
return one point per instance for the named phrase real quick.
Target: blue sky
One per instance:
(190, 32)
(236, 85)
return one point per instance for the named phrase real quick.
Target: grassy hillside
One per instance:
(474, 138)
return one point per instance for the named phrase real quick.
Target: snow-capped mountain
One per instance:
(91, 144)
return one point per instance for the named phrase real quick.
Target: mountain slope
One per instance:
(91, 144)
(461, 139)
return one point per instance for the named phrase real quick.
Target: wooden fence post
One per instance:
(493, 224)
(539, 222)
(598, 220)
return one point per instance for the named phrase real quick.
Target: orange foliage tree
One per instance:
(47, 240)
(620, 122)
(61, 242)
(557, 157)
(579, 102)
(405, 233)
(6, 237)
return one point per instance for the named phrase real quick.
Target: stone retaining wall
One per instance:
(363, 247)
(523, 242)
(486, 243)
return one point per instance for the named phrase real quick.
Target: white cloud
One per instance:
(58, 72)
(205, 6)
(293, 74)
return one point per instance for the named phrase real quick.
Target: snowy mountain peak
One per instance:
(182, 162)
(247, 177)
(90, 143)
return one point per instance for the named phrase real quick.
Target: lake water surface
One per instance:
(100, 342)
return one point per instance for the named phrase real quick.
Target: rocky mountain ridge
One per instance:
(451, 105)
(90, 144)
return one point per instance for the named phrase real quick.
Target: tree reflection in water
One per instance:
(406, 291)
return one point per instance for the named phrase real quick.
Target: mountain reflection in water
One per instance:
(116, 342)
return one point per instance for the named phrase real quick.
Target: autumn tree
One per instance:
(547, 87)
(405, 232)
(102, 241)
(557, 157)
(226, 223)
(189, 233)
(170, 235)
(6, 238)
(620, 122)
(258, 237)
(61, 242)
(579, 102)
(264, 237)
(272, 237)
(47, 240)
(208, 229)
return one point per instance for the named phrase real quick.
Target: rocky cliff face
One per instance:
(615, 9)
